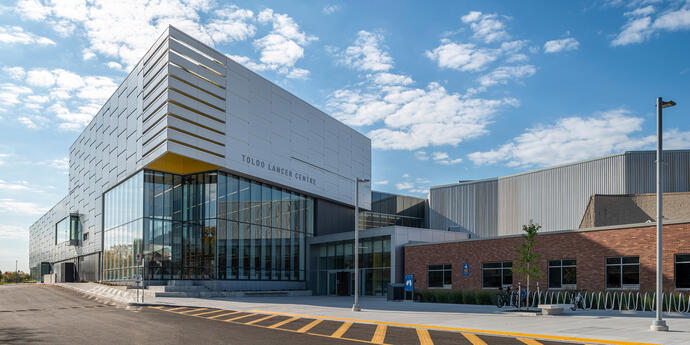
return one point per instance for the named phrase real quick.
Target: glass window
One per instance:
(682, 262)
(497, 274)
(623, 272)
(562, 274)
(245, 201)
(440, 276)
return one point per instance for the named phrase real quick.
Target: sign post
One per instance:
(409, 285)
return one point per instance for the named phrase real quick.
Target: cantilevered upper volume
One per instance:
(187, 109)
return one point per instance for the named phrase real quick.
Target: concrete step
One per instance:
(184, 288)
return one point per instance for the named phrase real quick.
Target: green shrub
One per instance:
(455, 297)
(469, 297)
(484, 298)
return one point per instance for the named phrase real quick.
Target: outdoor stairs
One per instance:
(180, 289)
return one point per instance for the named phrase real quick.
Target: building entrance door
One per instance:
(343, 283)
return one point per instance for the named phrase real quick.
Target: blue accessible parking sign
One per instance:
(466, 269)
(409, 282)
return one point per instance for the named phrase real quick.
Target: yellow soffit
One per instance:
(177, 164)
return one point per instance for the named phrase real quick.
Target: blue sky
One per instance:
(445, 90)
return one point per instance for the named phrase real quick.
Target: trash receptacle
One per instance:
(396, 292)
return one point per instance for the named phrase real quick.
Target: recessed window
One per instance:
(440, 276)
(623, 272)
(562, 274)
(682, 271)
(497, 274)
(85, 236)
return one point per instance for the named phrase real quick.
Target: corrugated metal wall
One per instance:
(554, 197)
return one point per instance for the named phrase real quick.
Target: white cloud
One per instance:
(17, 35)
(406, 175)
(10, 93)
(422, 180)
(232, 24)
(87, 54)
(33, 121)
(444, 159)
(40, 77)
(385, 78)
(565, 44)
(114, 65)
(504, 73)
(462, 56)
(32, 9)
(367, 53)
(421, 155)
(382, 183)
(404, 185)
(61, 163)
(327, 10)
(16, 73)
(486, 27)
(13, 206)
(576, 138)
(20, 185)
(13, 232)
(640, 25)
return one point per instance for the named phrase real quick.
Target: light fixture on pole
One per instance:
(355, 306)
(659, 324)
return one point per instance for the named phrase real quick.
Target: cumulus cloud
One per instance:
(8, 205)
(502, 74)
(643, 22)
(367, 53)
(438, 157)
(10, 93)
(486, 27)
(327, 10)
(565, 44)
(16, 73)
(404, 185)
(462, 56)
(576, 138)
(17, 35)
(381, 183)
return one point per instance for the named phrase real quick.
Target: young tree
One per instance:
(527, 262)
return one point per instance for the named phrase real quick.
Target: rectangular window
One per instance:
(682, 271)
(440, 276)
(623, 272)
(497, 274)
(562, 274)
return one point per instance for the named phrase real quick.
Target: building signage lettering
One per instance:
(259, 163)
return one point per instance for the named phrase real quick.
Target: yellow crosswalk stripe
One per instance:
(473, 338)
(529, 341)
(341, 330)
(221, 315)
(260, 319)
(192, 310)
(309, 326)
(283, 322)
(208, 312)
(379, 334)
(158, 307)
(424, 337)
(239, 317)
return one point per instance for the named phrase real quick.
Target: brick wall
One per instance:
(589, 248)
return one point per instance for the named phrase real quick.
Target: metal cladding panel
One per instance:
(555, 198)
(471, 207)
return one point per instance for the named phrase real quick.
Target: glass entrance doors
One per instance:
(340, 283)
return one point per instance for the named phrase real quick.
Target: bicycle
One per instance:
(578, 302)
(504, 297)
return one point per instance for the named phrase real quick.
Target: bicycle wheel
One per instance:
(499, 301)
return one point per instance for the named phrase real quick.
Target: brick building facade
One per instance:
(589, 247)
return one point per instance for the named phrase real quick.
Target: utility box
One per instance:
(396, 292)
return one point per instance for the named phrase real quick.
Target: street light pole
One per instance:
(659, 324)
(355, 306)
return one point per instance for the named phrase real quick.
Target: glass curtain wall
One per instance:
(122, 228)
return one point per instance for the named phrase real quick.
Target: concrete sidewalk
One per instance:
(616, 326)
(603, 325)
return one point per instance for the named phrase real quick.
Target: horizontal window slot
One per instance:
(153, 149)
(195, 124)
(154, 112)
(152, 126)
(196, 99)
(196, 148)
(196, 136)
(195, 111)
(154, 137)
(160, 54)
(207, 54)
(163, 41)
(181, 73)
(190, 53)
(151, 90)
(153, 77)
(196, 87)
(196, 69)
(155, 99)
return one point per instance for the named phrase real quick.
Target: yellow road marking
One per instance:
(208, 312)
(283, 322)
(424, 337)
(189, 311)
(158, 307)
(309, 326)
(340, 331)
(238, 317)
(473, 338)
(174, 309)
(260, 319)
(529, 341)
(456, 329)
(379, 334)
(221, 315)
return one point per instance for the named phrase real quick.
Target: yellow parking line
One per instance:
(529, 341)
(424, 337)
(473, 338)
(208, 312)
(309, 326)
(189, 311)
(174, 309)
(283, 322)
(221, 315)
(158, 307)
(260, 319)
(457, 329)
(238, 317)
(379, 334)
(340, 331)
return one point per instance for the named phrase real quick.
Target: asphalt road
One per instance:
(36, 314)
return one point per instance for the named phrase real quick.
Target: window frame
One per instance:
(502, 269)
(444, 268)
(560, 266)
(675, 271)
(621, 264)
